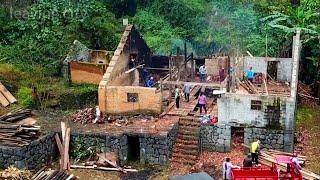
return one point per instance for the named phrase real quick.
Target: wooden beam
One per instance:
(101, 168)
(151, 68)
(132, 69)
(66, 163)
(265, 84)
(218, 85)
(61, 150)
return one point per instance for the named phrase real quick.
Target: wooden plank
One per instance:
(61, 150)
(265, 84)
(63, 131)
(3, 100)
(111, 163)
(132, 69)
(7, 94)
(214, 85)
(101, 168)
(66, 162)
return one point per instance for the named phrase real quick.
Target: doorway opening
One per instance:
(237, 138)
(272, 69)
(133, 148)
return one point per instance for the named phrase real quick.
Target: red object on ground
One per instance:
(214, 120)
(292, 171)
(255, 173)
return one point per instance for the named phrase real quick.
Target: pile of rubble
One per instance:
(305, 95)
(86, 116)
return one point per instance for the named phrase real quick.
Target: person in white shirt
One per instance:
(227, 166)
(203, 73)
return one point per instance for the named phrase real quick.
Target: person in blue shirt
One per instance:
(150, 82)
(250, 74)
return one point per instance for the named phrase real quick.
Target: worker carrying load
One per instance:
(255, 146)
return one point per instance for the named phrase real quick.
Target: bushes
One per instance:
(25, 98)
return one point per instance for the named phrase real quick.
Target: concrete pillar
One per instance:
(291, 104)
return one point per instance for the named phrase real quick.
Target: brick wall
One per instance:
(215, 63)
(86, 72)
(117, 102)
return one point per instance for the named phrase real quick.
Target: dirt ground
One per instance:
(308, 123)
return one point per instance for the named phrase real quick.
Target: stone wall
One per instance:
(215, 138)
(33, 156)
(102, 143)
(271, 139)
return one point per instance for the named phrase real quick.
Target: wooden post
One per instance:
(170, 77)
(192, 67)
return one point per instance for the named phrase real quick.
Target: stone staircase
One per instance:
(186, 147)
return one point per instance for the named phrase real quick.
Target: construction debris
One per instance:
(16, 115)
(268, 157)
(63, 146)
(86, 116)
(53, 174)
(6, 97)
(17, 134)
(305, 94)
(15, 173)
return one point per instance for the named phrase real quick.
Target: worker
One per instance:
(227, 166)
(132, 62)
(247, 162)
(202, 102)
(254, 151)
(221, 75)
(186, 91)
(250, 74)
(295, 162)
(177, 95)
(203, 73)
(150, 82)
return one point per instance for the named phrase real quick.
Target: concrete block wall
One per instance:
(86, 72)
(33, 156)
(215, 138)
(148, 100)
(236, 108)
(271, 139)
(284, 69)
(258, 64)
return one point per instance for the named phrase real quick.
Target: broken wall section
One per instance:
(260, 65)
(119, 91)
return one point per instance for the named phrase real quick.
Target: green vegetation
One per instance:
(35, 38)
(308, 124)
(81, 150)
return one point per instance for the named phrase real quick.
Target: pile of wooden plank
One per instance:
(268, 157)
(53, 174)
(16, 115)
(17, 134)
(105, 162)
(6, 98)
(247, 85)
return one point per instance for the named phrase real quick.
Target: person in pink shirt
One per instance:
(202, 101)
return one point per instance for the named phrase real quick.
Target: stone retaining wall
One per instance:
(215, 138)
(271, 139)
(32, 156)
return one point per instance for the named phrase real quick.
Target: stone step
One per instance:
(188, 142)
(194, 152)
(190, 128)
(185, 157)
(190, 133)
(189, 124)
(186, 146)
(188, 137)
(184, 162)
